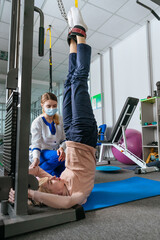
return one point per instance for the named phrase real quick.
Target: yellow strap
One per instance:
(50, 44)
(50, 62)
(76, 3)
(45, 36)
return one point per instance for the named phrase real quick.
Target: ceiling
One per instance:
(109, 22)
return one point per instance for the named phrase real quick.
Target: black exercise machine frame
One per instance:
(150, 9)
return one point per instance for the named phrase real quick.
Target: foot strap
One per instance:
(76, 31)
(79, 31)
(70, 36)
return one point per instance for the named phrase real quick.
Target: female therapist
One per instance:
(48, 138)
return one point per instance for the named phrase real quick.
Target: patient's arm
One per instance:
(39, 172)
(57, 201)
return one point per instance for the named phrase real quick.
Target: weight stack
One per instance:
(10, 133)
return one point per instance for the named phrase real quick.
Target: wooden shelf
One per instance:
(150, 146)
(149, 126)
(149, 100)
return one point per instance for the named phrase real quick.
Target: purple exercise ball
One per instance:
(134, 145)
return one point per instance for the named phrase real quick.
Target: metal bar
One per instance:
(150, 62)
(18, 30)
(143, 5)
(156, 1)
(41, 15)
(112, 87)
(101, 86)
(7, 156)
(150, 9)
(10, 100)
(101, 153)
(124, 137)
(5, 181)
(47, 217)
(131, 156)
(23, 128)
(12, 41)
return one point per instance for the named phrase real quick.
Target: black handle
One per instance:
(41, 42)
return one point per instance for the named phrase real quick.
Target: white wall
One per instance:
(130, 74)
(107, 91)
(155, 40)
(95, 86)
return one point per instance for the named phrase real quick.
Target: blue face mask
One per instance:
(50, 111)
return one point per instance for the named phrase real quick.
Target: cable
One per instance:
(62, 10)
(50, 57)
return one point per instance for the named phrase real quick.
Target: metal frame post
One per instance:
(124, 137)
(24, 89)
(112, 86)
(102, 87)
(150, 62)
(12, 41)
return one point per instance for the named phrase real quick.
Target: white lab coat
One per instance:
(45, 138)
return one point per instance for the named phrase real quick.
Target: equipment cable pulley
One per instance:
(62, 9)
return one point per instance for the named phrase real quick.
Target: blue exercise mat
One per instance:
(114, 193)
(107, 168)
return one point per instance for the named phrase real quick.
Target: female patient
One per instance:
(77, 180)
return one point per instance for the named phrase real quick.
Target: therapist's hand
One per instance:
(61, 154)
(35, 163)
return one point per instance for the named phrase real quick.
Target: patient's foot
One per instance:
(77, 18)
